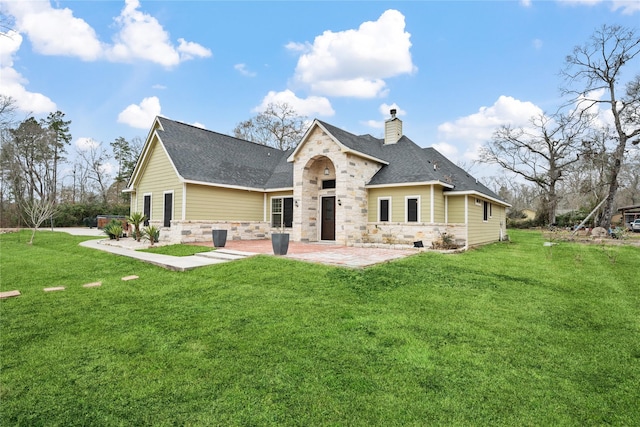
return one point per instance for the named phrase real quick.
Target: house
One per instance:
(333, 186)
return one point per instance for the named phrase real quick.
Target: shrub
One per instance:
(151, 233)
(114, 229)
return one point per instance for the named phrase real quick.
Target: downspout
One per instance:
(264, 207)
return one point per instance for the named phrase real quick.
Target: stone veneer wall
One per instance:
(351, 172)
(200, 231)
(403, 233)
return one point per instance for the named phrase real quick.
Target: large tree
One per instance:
(541, 153)
(126, 154)
(278, 126)
(594, 76)
(59, 138)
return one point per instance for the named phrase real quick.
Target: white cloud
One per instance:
(198, 125)
(57, 32)
(189, 50)
(242, 69)
(310, 106)
(13, 83)
(525, 3)
(85, 144)
(629, 7)
(471, 132)
(158, 86)
(384, 110)
(537, 44)
(356, 62)
(141, 116)
(141, 36)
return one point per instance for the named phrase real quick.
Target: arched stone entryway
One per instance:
(316, 197)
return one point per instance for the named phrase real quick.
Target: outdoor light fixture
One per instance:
(326, 171)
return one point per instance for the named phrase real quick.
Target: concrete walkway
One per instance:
(177, 263)
(323, 253)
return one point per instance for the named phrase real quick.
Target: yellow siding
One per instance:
(398, 195)
(481, 231)
(223, 204)
(455, 210)
(158, 177)
(438, 200)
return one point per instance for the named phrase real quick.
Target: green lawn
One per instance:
(508, 334)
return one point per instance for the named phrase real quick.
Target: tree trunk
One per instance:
(618, 156)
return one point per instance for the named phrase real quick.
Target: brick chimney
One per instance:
(392, 129)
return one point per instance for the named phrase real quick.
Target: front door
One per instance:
(328, 227)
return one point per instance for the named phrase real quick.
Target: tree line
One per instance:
(39, 180)
(574, 157)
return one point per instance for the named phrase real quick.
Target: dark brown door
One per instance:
(328, 229)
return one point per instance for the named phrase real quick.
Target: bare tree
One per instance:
(94, 159)
(37, 211)
(278, 126)
(541, 154)
(597, 66)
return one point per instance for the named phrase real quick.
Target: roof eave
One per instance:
(409, 184)
(343, 148)
(236, 187)
(476, 193)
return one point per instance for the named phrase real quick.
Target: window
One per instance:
(384, 209)
(413, 209)
(490, 210)
(168, 209)
(146, 210)
(485, 211)
(282, 212)
(328, 184)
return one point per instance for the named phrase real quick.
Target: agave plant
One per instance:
(137, 218)
(151, 233)
(114, 229)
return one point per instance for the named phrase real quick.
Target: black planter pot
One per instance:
(280, 243)
(219, 238)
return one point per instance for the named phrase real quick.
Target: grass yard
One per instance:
(508, 334)
(178, 250)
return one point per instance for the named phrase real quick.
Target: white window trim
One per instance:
(390, 208)
(281, 213)
(406, 208)
(150, 204)
(173, 205)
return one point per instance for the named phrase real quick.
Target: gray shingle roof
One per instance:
(206, 156)
(408, 162)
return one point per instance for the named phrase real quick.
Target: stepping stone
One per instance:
(92, 285)
(9, 294)
(126, 278)
(55, 288)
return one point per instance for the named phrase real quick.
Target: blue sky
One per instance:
(454, 70)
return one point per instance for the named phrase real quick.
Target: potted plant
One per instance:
(136, 219)
(219, 238)
(280, 243)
